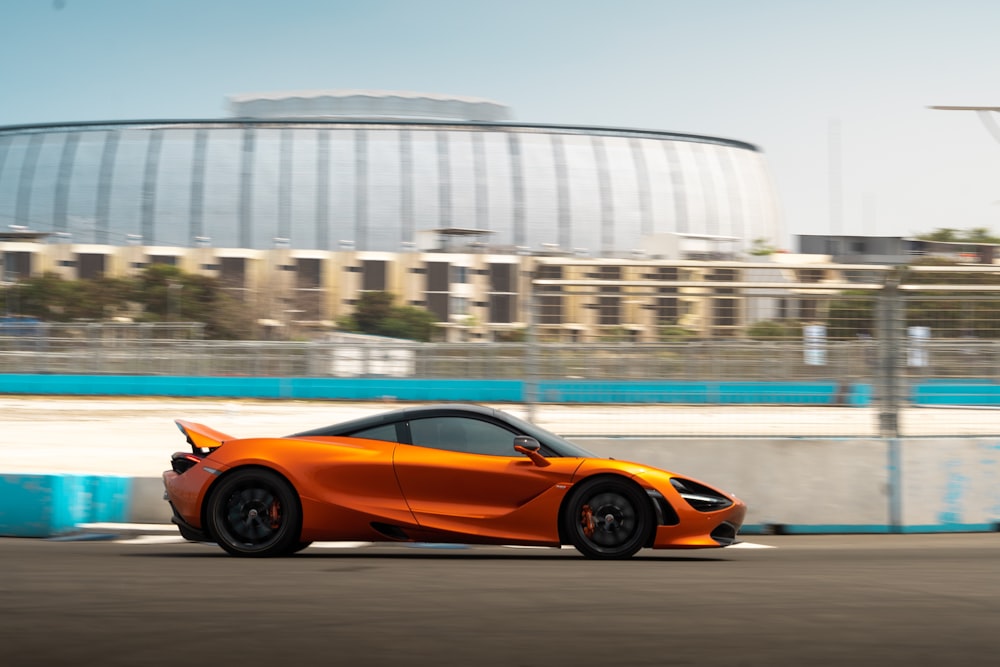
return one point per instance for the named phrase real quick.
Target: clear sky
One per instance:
(835, 92)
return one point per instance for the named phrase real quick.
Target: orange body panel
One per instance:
(372, 490)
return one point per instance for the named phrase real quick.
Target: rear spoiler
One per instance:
(201, 438)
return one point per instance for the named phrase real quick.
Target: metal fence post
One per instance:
(890, 345)
(531, 355)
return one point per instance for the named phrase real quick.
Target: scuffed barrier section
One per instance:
(44, 505)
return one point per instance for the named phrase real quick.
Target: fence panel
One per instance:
(918, 356)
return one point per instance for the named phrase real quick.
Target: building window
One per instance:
(459, 305)
(550, 302)
(609, 307)
(16, 265)
(436, 293)
(725, 312)
(308, 273)
(609, 310)
(502, 294)
(233, 272)
(437, 276)
(373, 275)
(502, 277)
(667, 311)
(723, 275)
(90, 266)
(459, 274)
(437, 303)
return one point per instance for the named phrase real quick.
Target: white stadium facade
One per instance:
(345, 177)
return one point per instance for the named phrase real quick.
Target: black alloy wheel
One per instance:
(607, 518)
(254, 512)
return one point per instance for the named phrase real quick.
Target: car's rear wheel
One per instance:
(254, 512)
(607, 518)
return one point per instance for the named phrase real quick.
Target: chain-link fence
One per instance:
(899, 354)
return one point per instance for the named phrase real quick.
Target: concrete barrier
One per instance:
(838, 485)
(791, 485)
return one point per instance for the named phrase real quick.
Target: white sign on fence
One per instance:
(814, 349)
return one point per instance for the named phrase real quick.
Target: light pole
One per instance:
(984, 116)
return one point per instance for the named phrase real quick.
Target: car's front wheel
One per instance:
(254, 512)
(607, 518)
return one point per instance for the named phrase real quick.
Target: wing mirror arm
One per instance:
(530, 447)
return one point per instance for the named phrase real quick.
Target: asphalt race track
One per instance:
(813, 600)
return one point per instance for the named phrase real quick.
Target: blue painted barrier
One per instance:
(966, 392)
(971, 391)
(43, 505)
(826, 392)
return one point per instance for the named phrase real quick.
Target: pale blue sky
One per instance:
(777, 73)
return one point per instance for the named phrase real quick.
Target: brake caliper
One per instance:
(275, 515)
(587, 520)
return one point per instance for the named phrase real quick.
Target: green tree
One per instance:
(377, 315)
(161, 293)
(168, 294)
(949, 235)
(762, 247)
(775, 330)
(46, 297)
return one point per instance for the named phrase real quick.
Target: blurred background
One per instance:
(720, 212)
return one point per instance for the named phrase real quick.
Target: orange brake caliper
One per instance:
(587, 521)
(275, 515)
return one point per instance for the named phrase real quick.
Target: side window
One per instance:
(386, 432)
(458, 434)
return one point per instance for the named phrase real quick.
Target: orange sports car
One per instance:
(462, 474)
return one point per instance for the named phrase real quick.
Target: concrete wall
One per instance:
(803, 485)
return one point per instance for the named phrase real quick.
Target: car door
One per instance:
(462, 474)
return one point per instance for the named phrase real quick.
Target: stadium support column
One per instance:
(106, 174)
(246, 188)
(642, 187)
(444, 180)
(361, 190)
(323, 190)
(197, 227)
(22, 214)
(482, 188)
(605, 190)
(406, 186)
(562, 193)
(517, 188)
(147, 223)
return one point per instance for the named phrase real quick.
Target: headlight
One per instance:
(699, 496)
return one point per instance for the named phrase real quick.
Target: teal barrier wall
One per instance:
(53, 504)
(710, 393)
(821, 392)
(420, 389)
(965, 392)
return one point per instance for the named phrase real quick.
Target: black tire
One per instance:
(254, 512)
(607, 518)
(299, 547)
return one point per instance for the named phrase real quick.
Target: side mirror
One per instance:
(527, 442)
(528, 446)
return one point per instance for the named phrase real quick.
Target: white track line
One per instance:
(750, 545)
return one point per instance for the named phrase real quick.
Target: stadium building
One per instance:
(299, 201)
